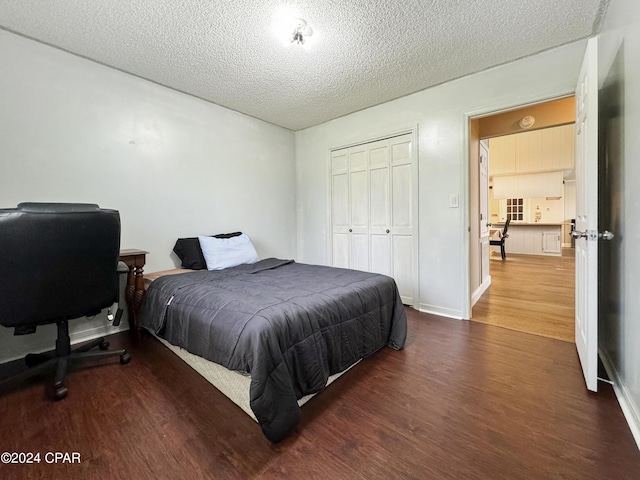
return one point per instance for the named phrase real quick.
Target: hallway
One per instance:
(532, 294)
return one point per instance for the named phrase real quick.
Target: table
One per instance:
(134, 259)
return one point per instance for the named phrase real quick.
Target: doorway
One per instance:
(533, 289)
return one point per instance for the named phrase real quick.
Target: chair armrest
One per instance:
(122, 268)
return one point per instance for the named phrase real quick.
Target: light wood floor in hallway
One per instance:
(532, 294)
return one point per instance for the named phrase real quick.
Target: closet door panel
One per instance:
(379, 154)
(340, 162)
(360, 251)
(340, 200)
(340, 216)
(341, 250)
(357, 158)
(403, 265)
(401, 150)
(358, 199)
(402, 196)
(381, 254)
(379, 195)
(380, 209)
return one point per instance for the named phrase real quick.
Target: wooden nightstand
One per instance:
(135, 260)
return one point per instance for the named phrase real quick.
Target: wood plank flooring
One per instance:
(531, 293)
(463, 400)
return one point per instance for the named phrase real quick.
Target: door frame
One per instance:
(352, 141)
(487, 110)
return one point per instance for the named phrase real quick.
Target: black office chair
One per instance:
(58, 261)
(502, 237)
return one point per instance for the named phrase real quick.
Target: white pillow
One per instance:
(222, 253)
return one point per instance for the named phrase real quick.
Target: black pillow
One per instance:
(190, 253)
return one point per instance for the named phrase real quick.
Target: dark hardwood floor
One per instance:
(464, 400)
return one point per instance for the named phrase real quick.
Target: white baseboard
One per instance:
(441, 311)
(101, 331)
(630, 410)
(46, 341)
(480, 290)
(566, 245)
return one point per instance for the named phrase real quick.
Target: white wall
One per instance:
(569, 199)
(619, 330)
(440, 114)
(551, 211)
(173, 165)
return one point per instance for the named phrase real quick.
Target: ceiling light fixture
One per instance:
(300, 31)
(527, 122)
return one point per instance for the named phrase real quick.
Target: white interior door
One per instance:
(586, 251)
(484, 210)
(484, 191)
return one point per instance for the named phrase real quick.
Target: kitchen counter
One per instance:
(526, 224)
(531, 238)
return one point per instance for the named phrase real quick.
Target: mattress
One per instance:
(290, 326)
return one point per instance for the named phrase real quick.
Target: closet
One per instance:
(374, 211)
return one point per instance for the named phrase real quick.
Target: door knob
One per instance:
(387, 230)
(350, 230)
(606, 235)
(579, 234)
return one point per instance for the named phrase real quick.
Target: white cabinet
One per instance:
(374, 211)
(529, 185)
(551, 242)
(542, 150)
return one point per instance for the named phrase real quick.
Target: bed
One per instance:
(287, 327)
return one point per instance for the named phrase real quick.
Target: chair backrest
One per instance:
(506, 226)
(58, 261)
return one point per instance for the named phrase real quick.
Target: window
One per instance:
(515, 209)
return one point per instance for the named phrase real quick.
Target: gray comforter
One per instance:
(289, 325)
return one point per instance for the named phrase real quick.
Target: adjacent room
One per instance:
(319, 240)
(523, 253)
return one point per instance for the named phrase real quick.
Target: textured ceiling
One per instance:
(362, 53)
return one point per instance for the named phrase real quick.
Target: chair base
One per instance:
(62, 358)
(500, 244)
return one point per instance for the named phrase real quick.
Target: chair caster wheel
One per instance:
(60, 393)
(104, 345)
(125, 358)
